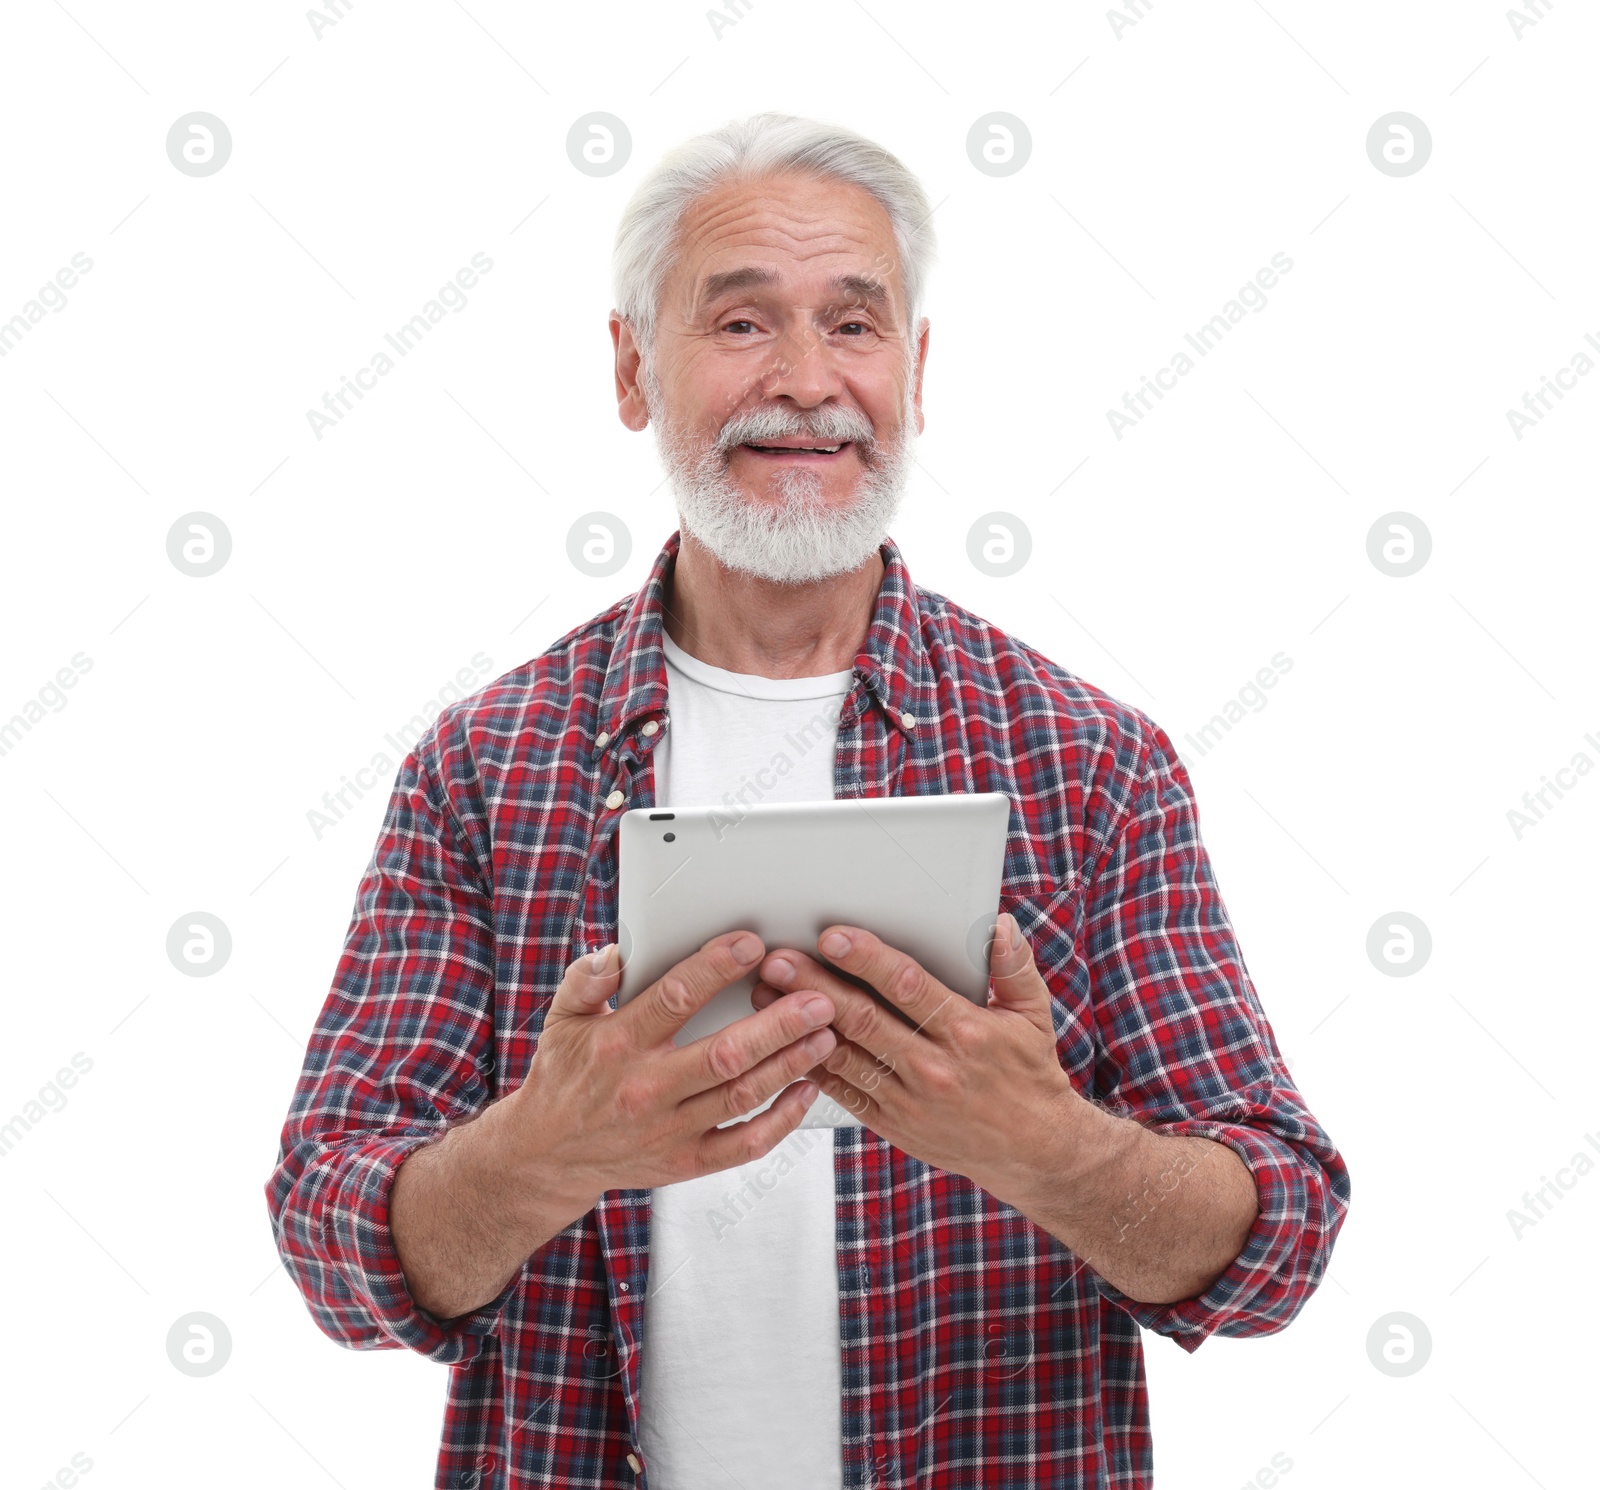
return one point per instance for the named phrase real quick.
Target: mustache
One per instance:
(829, 426)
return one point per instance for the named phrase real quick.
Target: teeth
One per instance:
(816, 449)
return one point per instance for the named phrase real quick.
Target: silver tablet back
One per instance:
(923, 873)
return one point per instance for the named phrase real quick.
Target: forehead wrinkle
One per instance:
(721, 225)
(767, 239)
(804, 235)
(718, 209)
(844, 288)
(851, 284)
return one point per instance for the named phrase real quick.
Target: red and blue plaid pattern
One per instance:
(977, 1350)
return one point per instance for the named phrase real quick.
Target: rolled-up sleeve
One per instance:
(1184, 1047)
(400, 1050)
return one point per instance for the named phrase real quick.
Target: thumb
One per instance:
(1018, 983)
(588, 982)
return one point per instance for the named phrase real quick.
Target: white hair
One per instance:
(748, 149)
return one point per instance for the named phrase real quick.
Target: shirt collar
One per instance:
(892, 668)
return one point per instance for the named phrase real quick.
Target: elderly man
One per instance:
(825, 1246)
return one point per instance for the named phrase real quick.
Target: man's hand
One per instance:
(623, 1106)
(967, 1089)
(610, 1102)
(981, 1093)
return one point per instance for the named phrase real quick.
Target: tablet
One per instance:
(923, 873)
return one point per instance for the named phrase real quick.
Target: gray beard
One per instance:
(798, 538)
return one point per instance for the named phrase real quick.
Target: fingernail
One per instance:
(836, 944)
(819, 1044)
(601, 961)
(747, 948)
(780, 972)
(817, 1010)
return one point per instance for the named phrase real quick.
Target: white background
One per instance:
(1176, 158)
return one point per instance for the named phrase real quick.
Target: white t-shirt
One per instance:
(739, 1366)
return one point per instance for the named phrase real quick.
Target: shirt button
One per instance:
(633, 1464)
(649, 727)
(909, 720)
(615, 800)
(603, 738)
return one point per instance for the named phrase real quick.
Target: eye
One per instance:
(862, 324)
(728, 324)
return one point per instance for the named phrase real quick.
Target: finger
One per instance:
(749, 1090)
(857, 1016)
(1015, 977)
(739, 1143)
(732, 1052)
(899, 978)
(588, 982)
(873, 1075)
(763, 994)
(854, 1101)
(687, 987)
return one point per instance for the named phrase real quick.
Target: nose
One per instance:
(801, 369)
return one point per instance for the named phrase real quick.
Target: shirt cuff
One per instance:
(1250, 1297)
(341, 1230)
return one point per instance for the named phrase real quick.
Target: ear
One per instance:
(630, 388)
(922, 361)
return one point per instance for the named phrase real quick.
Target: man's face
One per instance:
(781, 329)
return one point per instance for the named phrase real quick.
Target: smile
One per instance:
(806, 453)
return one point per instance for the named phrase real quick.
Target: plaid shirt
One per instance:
(976, 1349)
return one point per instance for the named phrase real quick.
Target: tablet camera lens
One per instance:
(668, 837)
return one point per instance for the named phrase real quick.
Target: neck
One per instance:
(748, 625)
